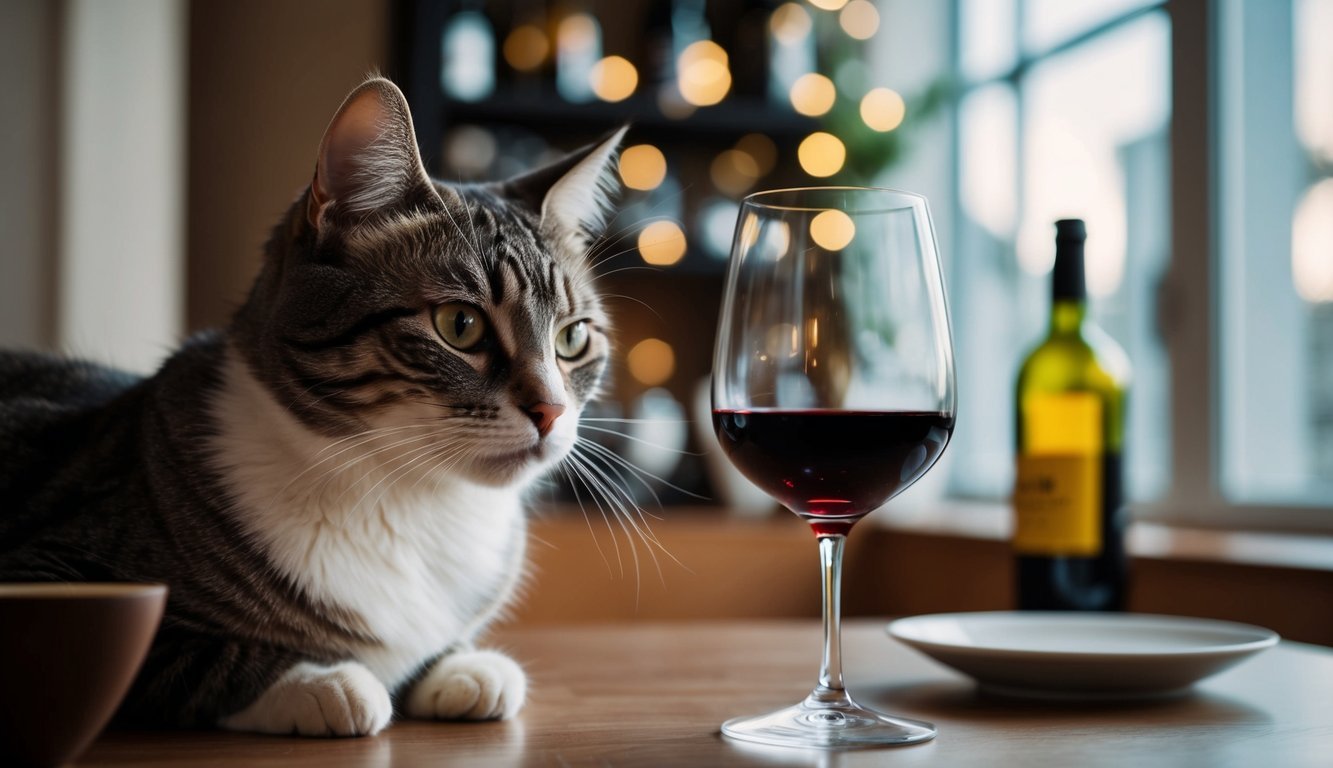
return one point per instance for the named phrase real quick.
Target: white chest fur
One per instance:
(423, 564)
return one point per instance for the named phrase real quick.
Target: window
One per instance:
(1070, 120)
(1196, 139)
(1276, 247)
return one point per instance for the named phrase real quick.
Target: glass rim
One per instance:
(757, 199)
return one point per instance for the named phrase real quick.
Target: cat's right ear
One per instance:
(368, 160)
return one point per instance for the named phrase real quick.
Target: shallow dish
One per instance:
(1080, 655)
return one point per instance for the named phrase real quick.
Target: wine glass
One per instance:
(833, 391)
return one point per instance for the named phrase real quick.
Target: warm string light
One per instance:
(642, 167)
(702, 73)
(859, 19)
(790, 23)
(614, 78)
(821, 154)
(813, 94)
(651, 362)
(526, 48)
(883, 109)
(662, 243)
(832, 230)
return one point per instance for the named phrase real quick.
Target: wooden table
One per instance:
(654, 694)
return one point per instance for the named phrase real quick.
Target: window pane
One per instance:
(984, 287)
(1095, 147)
(987, 41)
(1047, 23)
(1276, 318)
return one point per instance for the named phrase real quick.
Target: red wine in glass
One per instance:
(833, 391)
(832, 467)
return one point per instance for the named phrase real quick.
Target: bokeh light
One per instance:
(790, 23)
(832, 230)
(859, 19)
(526, 48)
(642, 167)
(828, 5)
(662, 243)
(1312, 244)
(821, 154)
(761, 148)
(614, 78)
(651, 362)
(734, 171)
(702, 73)
(813, 94)
(883, 109)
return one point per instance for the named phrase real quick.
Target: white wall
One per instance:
(122, 196)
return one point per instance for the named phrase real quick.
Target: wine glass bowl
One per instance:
(833, 391)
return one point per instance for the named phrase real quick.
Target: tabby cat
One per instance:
(332, 487)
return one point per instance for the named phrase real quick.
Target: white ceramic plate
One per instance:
(1082, 655)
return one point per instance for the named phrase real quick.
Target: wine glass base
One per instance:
(842, 726)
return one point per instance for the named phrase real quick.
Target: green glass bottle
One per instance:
(1070, 414)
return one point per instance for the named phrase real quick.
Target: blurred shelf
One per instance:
(541, 109)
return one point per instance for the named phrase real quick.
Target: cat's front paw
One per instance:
(470, 685)
(344, 699)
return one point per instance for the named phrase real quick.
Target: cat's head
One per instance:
(458, 321)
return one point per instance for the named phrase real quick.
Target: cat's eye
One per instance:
(572, 340)
(462, 326)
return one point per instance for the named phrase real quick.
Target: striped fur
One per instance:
(332, 492)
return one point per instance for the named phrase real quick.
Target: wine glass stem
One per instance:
(830, 690)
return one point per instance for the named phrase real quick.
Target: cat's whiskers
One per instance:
(475, 250)
(408, 461)
(597, 494)
(622, 461)
(610, 237)
(361, 439)
(640, 440)
(415, 459)
(590, 462)
(573, 486)
(341, 473)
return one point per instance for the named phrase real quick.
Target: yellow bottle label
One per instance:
(1058, 490)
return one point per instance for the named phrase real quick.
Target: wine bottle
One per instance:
(1070, 414)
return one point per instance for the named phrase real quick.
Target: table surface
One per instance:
(654, 694)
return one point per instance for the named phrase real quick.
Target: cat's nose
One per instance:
(543, 415)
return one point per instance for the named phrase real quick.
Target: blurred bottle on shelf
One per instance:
(467, 53)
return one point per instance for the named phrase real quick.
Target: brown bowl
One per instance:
(68, 653)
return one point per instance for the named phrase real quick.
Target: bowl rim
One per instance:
(79, 590)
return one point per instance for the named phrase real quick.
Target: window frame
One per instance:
(1189, 298)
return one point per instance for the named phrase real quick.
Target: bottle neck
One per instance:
(1069, 295)
(1067, 316)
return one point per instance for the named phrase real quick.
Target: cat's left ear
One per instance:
(368, 160)
(574, 193)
